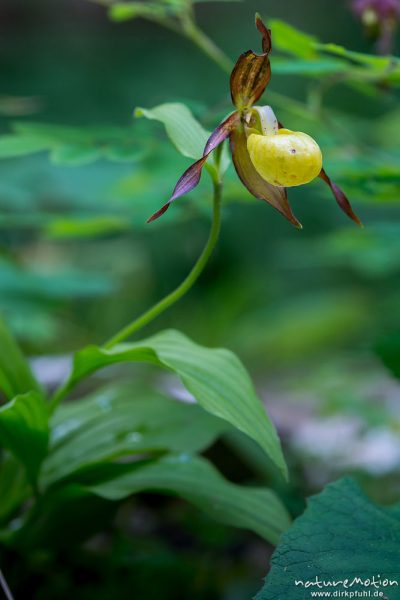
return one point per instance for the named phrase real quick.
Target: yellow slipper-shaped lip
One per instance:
(285, 159)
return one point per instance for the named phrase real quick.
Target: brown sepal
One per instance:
(340, 197)
(252, 72)
(276, 196)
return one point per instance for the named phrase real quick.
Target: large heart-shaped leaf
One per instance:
(24, 430)
(340, 537)
(124, 420)
(195, 480)
(215, 377)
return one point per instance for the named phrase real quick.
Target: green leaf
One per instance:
(85, 227)
(24, 430)
(198, 482)
(304, 46)
(72, 146)
(183, 129)
(14, 486)
(15, 374)
(19, 145)
(51, 134)
(381, 63)
(341, 535)
(289, 39)
(121, 421)
(374, 67)
(215, 377)
(66, 283)
(78, 154)
(123, 11)
(310, 67)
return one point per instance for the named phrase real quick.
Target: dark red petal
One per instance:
(221, 132)
(276, 196)
(341, 199)
(252, 72)
(266, 34)
(191, 176)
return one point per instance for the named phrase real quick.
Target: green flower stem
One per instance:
(166, 302)
(206, 45)
(189, 29)
(186, 284)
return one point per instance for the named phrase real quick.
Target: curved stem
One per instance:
(166, 302)
(206, 45)
(186, 284)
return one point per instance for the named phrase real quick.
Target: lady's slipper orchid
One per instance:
(267, 157)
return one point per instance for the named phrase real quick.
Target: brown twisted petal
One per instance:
(191, 176)
(252, 72)
(340, 197)
(276, 196)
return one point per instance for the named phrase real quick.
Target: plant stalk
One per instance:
(186, 284)
(206, 45)
(166, 302)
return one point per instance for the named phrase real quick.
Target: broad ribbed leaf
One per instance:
(15, 374)
(121, 421)
(252, 72)
(195, 480)
(341, 535)
(215, 377)
(24, 430)
(185, 132)
(276, 196)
